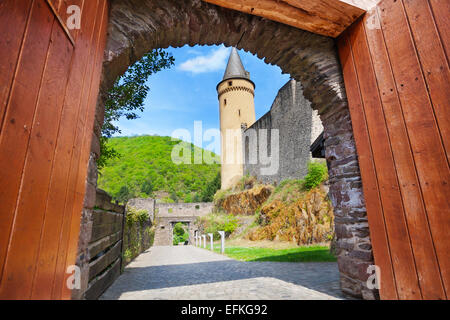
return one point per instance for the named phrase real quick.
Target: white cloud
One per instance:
(214, 61)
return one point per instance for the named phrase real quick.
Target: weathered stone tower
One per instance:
(236, 93)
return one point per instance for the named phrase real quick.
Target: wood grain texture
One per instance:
(396, 75)
(50, 97)
(325, 17)
(375, 214)
(102, 16)
(403, 263)
(10, 45)
(421, 240)
(19, 117)
(29, 214)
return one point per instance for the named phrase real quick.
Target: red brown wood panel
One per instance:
(74, 197)
(421, 240)
(29, 214)
(47, 117)
(19, 116)
(397, 87)
(401, 251)
(10, 44)
(441, 12)
(50, 237)
(378, 233)
(424, 133)
(87, 138)
(433, 63)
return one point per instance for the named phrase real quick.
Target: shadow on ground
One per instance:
(322, 277)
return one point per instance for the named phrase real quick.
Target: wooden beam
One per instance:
(324, 17)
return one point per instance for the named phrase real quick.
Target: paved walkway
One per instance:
(190, 273)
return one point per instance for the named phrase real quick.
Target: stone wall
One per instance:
(292, 116)
(147, 204)
(165, 215)
(183, 209)
(138, 26)
(138, 231)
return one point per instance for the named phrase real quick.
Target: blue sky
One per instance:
(187, 92)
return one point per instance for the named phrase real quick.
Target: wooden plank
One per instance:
(103, 230)
(441, 12)
(24, 242)
(19, 116)
(50, 238)
(100, 264)
(89, 45)
(99, 285)
(399, 243)
(13, 20)
(85, 142)
(60, 20)
(375, 215)
(433, 63)
(422, 243)
(96, 247)
(426, 144)
(100, 217)
(328, 18)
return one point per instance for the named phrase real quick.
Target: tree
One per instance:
(211, 189)
(147, 187)
(124, 194)
(127, 97)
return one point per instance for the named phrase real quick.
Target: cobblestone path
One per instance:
(190, 273)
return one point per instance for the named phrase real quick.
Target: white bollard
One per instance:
(211, 240)
(222, 241)
(204, 241)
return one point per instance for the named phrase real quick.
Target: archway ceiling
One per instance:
(324, 17)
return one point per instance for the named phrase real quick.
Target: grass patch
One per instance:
(300, 254)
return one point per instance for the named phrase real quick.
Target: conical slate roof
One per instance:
(235, 69)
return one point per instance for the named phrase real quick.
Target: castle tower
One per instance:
(236, 93)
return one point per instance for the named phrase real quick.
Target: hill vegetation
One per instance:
(145, 168)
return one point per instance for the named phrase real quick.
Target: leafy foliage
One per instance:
(180, 235)
(214, 222)
(127, 96)
(145, 169)
(317, 173)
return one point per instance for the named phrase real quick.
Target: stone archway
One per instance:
(138, 26)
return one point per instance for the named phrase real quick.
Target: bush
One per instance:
(215, 222)
(317, 173)
(136, 215)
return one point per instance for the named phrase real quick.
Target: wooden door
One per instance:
(396, 72)
(49, 80)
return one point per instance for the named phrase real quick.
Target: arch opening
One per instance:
(137, 27)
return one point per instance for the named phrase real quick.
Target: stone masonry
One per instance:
(292, 116)
(165, 215)
(138, 26)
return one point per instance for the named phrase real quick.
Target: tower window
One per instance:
(230, 83)
(239, 112)
(225, 101)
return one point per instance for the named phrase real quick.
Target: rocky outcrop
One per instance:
(308, 220)
(246, 202)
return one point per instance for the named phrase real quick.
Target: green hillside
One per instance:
(145, 169)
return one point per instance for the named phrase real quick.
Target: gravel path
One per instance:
(190, 273)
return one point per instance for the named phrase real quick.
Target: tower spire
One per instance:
(235, 68)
